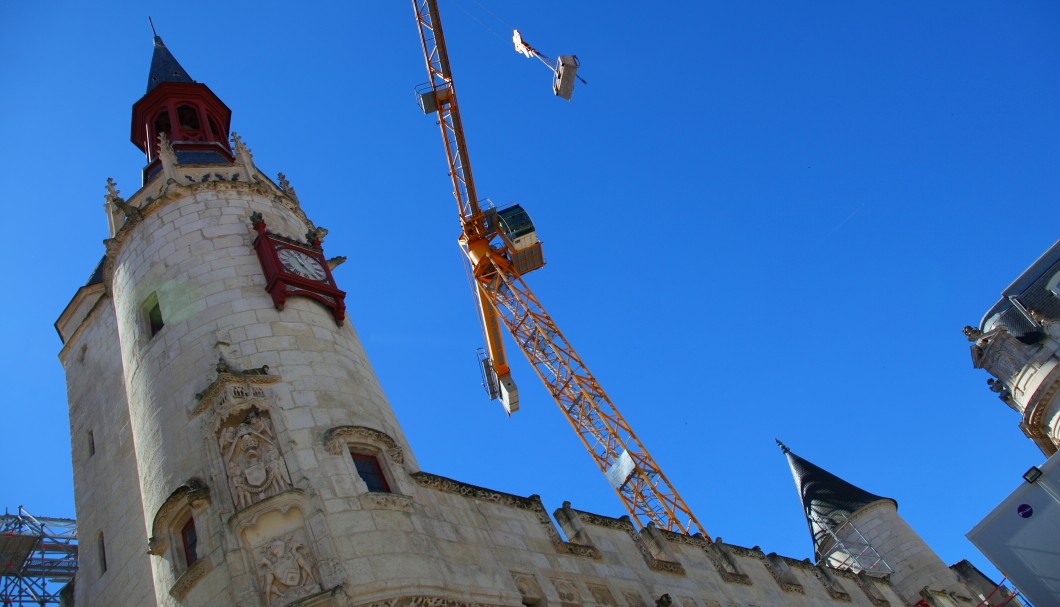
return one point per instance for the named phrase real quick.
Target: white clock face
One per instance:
(301, 264)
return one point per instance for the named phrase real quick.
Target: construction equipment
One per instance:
(38, 557)
(501, 246)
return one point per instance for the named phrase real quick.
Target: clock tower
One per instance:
(227, 423)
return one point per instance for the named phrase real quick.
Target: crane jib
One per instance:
(501, 246)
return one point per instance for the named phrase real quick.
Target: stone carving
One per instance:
(113, 198)
(234, 389)
(634, 599)
(286, 188)
(168, 157)
(189, 578)
(664, 600)
(244, 157)
(256, 469)
(336, 439)
(972, 333)
(602, 595)
(528, 587)
(285, 573)
(315, 236)
(192, 494)
(425, 601)
(567, 591)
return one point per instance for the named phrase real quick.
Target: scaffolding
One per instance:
(38, 557)
(842, 546)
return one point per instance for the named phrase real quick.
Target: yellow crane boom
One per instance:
(500, 250)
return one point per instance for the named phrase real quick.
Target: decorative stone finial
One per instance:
(287, 188)
(245, 157)
(112, 190)
(113, 198)
(168, 158)
(337, 261)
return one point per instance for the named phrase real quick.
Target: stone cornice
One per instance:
(427, 601)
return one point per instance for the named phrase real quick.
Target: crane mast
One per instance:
(498, 260)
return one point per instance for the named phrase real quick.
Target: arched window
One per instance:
(190, 127)
(214, 129)
(162, 124)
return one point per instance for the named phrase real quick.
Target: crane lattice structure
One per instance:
(38, 556)
(501, 246)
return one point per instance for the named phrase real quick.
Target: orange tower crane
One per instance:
(501, 246)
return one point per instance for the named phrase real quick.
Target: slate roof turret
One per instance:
(165, 67)
(824, 495)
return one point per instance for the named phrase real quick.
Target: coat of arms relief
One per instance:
(255, 467)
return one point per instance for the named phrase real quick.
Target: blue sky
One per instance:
(760, 220)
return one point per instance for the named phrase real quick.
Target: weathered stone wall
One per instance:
(106, 490)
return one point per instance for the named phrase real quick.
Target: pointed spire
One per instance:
(164, 66)
(825, 493)
(825, 496)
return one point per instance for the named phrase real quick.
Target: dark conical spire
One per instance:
(164, 66)
(825, 496)
(824, 493)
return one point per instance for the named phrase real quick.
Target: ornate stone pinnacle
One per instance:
(112, 190)
(782, 446)
(287, 188)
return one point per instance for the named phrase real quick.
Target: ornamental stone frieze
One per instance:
(234, 390)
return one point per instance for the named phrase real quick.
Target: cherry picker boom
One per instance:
(501, 246)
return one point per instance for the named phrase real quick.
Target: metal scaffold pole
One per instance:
(38, 557)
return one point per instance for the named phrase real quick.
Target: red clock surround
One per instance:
(282, 283)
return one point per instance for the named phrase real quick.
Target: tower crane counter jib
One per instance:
(501, 246)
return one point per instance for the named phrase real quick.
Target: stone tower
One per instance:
(223, 415)
(857, 530)
(232, 445)
(1018, 342)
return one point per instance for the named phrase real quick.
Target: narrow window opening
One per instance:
(91, 444)
(162, 124)
(371, 472)
(101, 545)
(216, 130)
(190, 539)
(153, 314)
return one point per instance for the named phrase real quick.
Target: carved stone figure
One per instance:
(256, 469)
(285, 575)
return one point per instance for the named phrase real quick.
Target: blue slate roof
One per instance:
(824, 493)
(165, 67)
